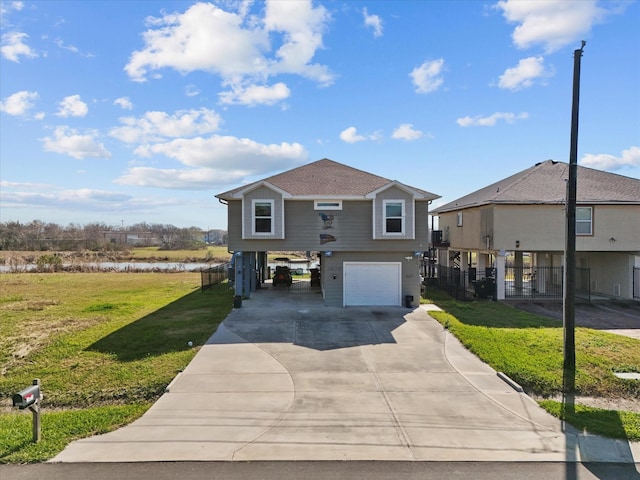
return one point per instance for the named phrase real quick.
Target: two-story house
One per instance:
(367, 231)
(518, 226)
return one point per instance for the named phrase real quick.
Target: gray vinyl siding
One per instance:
(262, 193)
(333, 265)
(394, 193)
(352, 228)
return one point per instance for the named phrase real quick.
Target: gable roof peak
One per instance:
(545, 183)
(324, 178)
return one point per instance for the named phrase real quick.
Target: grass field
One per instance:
(206, 254)
(529, 349)
(104, 345)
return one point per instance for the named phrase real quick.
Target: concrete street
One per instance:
(279, 470)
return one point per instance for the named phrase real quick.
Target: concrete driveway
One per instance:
(286, 378)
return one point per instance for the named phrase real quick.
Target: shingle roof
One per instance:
(545, 183)
(325, 178)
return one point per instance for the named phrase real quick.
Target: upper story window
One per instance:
(394, 217)
(327, 205)
(263, 217)
(459, 219)
(584, 220)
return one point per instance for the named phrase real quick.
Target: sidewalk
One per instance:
(286, 378)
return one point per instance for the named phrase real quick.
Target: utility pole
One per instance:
(569, 299)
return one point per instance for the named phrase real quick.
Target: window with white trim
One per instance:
(584, 220)
(394, 217)
(459, 219)
(327, 205)
(262, 221)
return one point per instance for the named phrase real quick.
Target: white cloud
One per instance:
(72, 106)
(301, 26)
(221, 152)
(218, 160)
(427, 77)
(6, 6)
(350, 135)
(57, 198)
(124, 103)
(374, 22)
(491, 120)
(68, 141)
(256, 95)
(603, 161)
(19, 103)
(158, 126)
(191, 90)
(53, 198)
(14, 46)
(242, 48)
(71, 48)
(550, 23)
(524, 74)
(186, 179)
(406, 132)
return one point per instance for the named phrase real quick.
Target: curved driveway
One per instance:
(286, 378)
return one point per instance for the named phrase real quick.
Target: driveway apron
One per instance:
(286, 378)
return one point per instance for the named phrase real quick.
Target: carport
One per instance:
(344, 279)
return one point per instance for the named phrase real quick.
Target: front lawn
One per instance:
(104, 345)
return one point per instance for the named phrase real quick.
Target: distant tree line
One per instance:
(42, 236)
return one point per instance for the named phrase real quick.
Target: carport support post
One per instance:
(248, 267)
(501, 260)
(239, 267)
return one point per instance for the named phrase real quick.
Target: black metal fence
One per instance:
(537, 282)
(463, 285)
(533, 282)
(520, 282)
(213, 276)
(636, 282)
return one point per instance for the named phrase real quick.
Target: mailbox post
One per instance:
(30, 398)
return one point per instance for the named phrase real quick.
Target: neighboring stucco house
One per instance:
(520, 222)
(367, 232)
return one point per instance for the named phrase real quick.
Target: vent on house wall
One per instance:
(616, 289)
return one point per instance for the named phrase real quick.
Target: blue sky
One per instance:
(132, 111)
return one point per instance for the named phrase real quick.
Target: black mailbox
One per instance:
(26, 397)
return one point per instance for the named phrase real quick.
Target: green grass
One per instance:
(100, 339)
(218, 253)
(611, 423)
(58, 429)
(529, 349)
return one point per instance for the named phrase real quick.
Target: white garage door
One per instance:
(377, 283)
